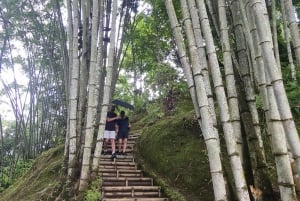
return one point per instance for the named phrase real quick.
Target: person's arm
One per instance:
(128, 124)
(116, 128)
(109, 119)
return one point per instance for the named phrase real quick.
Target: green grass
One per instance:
(41, 181)
(172, 147)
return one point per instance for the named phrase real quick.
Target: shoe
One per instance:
(113, 156)
(104, 152)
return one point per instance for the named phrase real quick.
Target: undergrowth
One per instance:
(93, 193)
(173, 147)
(41, 181)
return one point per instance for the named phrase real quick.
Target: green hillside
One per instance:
(171, 149)
(41, 182)
(171, 144)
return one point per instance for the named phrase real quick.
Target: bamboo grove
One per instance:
(95, 38)
(242, 29)
(230, 56)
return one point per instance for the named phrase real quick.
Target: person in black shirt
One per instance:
(123, 127)
(110, 131)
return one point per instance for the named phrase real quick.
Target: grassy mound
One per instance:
(173, 151)
(41, 181)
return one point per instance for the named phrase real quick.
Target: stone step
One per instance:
(130, 191)
(123, 181)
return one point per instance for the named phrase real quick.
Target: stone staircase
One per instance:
(123, 181)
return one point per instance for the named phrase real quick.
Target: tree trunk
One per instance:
(280, 120)
(214, 16)
(233, 153)
(68, 74)
(277, 84)
(230, 80)
(207, 123)
(274, 34)
(84, 54)
(183, 56)
(73, 96)
(293, 26)
(107, 86)
(203, 69)
(2, 149)
(287, 37)
(93, 93)
(254, 136)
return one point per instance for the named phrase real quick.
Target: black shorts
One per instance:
(122, 134)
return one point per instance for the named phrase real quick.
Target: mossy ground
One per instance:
(181, 158)
(41, 181)
(173, 147)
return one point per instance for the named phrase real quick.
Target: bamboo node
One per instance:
(288, 185)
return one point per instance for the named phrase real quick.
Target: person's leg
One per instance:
(125, 137)
(105, 142)
(120, 145)
(124, 145)
(105, 145)
(113, 145)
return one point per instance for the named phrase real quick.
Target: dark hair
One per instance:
(122, 113)
(113, 108)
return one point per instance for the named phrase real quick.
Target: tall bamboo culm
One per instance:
(207, 123)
